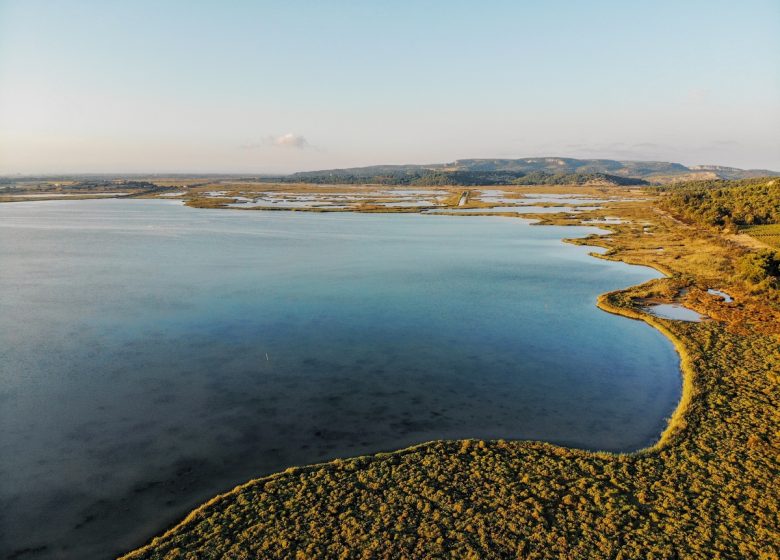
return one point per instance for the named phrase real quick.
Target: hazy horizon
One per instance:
(263, 88)
(185, 173)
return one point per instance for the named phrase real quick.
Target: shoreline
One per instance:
(672, 430)
(715, 448)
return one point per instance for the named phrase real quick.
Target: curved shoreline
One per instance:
(673, 429)
(673, 425)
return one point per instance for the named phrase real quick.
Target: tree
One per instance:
(760, 267)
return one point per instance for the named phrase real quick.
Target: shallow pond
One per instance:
(720, 293)
(511, 209)
(277, 203)
(674, 311)
(154, 355)
(407, 204)
(564, 198)
(606, 220)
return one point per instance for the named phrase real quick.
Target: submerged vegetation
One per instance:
(707, 490)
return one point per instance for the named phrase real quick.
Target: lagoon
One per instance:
(154, 355)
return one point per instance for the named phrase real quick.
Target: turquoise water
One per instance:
(154, 355)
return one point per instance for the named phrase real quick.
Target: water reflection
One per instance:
(154, 355)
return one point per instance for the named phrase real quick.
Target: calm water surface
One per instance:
(153, 355)
(674, 311)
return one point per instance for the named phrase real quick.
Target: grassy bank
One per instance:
(707, 489)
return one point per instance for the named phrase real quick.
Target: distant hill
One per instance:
(528, 171)
(733, 172)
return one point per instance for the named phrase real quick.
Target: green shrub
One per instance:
(760, 268)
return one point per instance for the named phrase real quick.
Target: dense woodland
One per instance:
(732, 205)
(545, 178)
(725, 203)
(440, 177)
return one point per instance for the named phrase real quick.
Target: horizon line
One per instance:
(283, 174)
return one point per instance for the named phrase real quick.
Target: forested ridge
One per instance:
(524, 171)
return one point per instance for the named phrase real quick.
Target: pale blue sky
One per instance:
(195, 86)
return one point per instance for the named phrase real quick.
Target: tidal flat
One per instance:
(155, 355)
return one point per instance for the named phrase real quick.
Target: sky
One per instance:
(273, 87)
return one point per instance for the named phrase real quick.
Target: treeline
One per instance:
(466, 178)
(731, 205)
(441, 177)
(760, 269)
(544, 178)
(725, 203)
(110, 185)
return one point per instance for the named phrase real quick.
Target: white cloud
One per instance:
(290, 140)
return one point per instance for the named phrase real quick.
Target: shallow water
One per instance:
(674, 311)
(519, 197)
(277, 203)
(512, 209)
(726, 298)
(412, 192)
(154, 355)
(564, 198)
(63, 195)
(605, 221)
(407, 203)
